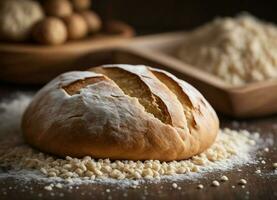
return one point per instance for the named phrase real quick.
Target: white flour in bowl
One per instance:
(18, 160)
(238, 50)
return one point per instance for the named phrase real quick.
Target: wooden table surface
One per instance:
(259, 186)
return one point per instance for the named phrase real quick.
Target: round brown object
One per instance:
(76, 26)
(120, 112)
(51, 31)
(93, 21)
(58, 8)
(79, 5)
(17, 18)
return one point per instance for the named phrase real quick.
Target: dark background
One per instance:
(154, 16)
(151, 16)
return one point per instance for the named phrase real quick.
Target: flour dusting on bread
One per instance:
(120, 112)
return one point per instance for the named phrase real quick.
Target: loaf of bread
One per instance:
(17, 17)
(120, 112)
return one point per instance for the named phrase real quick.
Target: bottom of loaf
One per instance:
(230, 149)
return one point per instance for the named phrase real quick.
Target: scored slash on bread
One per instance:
(155, 97)
(120, 112)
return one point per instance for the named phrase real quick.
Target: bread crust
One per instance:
(98, 119)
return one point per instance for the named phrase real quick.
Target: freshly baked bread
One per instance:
(50, 31)
(120, 112)
(17, 18)
(76, 25)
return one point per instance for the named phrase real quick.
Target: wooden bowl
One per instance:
(250, 100)
(33, 63)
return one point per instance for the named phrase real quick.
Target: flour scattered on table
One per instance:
(18, 160)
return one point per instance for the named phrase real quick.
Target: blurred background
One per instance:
(41, 39)
(153, 16)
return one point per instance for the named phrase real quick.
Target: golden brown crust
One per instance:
(75, 87)
(94, 113)
(150, 92)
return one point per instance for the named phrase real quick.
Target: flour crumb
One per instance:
(59, 185)
(224, 178)
(258, 171)
(274, 165)
(242, 182)
(48, 187)
(263, 162)
(215, 183)
(200, 186)
(174, 185)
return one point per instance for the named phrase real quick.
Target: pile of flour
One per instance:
(238, 50)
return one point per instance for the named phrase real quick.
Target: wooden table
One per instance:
(259, 186)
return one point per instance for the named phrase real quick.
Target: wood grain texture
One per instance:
(33, 63)
(261, 186)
